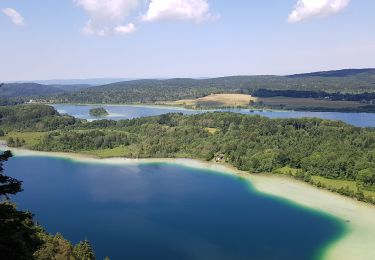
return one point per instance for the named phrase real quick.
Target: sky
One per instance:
(79, 39)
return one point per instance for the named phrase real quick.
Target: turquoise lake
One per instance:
(166, 211)
(119, 112)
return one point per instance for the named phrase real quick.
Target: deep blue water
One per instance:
(129, 112)
(164, 211)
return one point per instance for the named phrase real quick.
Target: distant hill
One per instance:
(337, 73)
(87, 82)
(72, 87)
(322, 84)
(27, 89)
(12, 90)
(152, 90)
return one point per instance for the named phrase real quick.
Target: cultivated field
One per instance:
(215, 100)
(242, 100)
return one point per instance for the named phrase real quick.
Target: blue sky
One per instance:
(64, 39)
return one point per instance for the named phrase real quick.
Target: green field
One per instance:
(31, 138)
(337, 184)
(109, 153)
(328, 183)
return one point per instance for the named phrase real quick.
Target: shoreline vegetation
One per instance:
(238, 101)
(233, 101)
(305, 149)
(358, 217)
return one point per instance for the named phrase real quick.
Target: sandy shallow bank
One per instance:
(358, 243)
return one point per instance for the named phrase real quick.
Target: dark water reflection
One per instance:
(161, 211)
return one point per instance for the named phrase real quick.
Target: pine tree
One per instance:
(83, 251)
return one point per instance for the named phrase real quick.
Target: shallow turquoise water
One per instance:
(129, 112)
(165, 211)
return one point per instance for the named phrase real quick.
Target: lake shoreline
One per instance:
(177, 107)
(359, 217)
(181, 107)
(127, 111)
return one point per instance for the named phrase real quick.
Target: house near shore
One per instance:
(219, 158)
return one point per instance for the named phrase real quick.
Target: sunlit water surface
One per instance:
(119, 112)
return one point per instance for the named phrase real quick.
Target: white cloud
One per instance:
(106, 16)
(306, 9)
(90, 29)
(194, 10)
(124, 29)
(15, 16)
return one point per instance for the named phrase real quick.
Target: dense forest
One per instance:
(30, 90)
(303, 148)
(365, 96)
(21, 238)
(12, 90)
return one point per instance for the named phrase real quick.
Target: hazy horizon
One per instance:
(109, 80)
(81, 39)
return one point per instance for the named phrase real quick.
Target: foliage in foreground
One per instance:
(22, 239)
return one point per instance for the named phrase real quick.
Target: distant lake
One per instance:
(165, 211)
(119, 112)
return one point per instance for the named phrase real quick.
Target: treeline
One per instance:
(143, 91)
(11, 101)
(26, 91)
(14, 90)
(148, 91)
(337, 96)
(352, 85)
(313, 147)
(33, 118)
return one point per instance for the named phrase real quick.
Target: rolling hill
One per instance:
(17, 90)
(349, 82)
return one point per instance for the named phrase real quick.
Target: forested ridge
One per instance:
(148, 91)
(145, 91)
(24, 90)
(303, 148)
(350, 85)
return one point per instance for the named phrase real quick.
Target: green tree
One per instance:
(83, 251)
(18, 233)
(366, 177)
(8, 185)
(54, 247)
(10, 142)
(21, 238)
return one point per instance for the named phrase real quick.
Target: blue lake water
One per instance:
(128, 112)
(165, 211)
